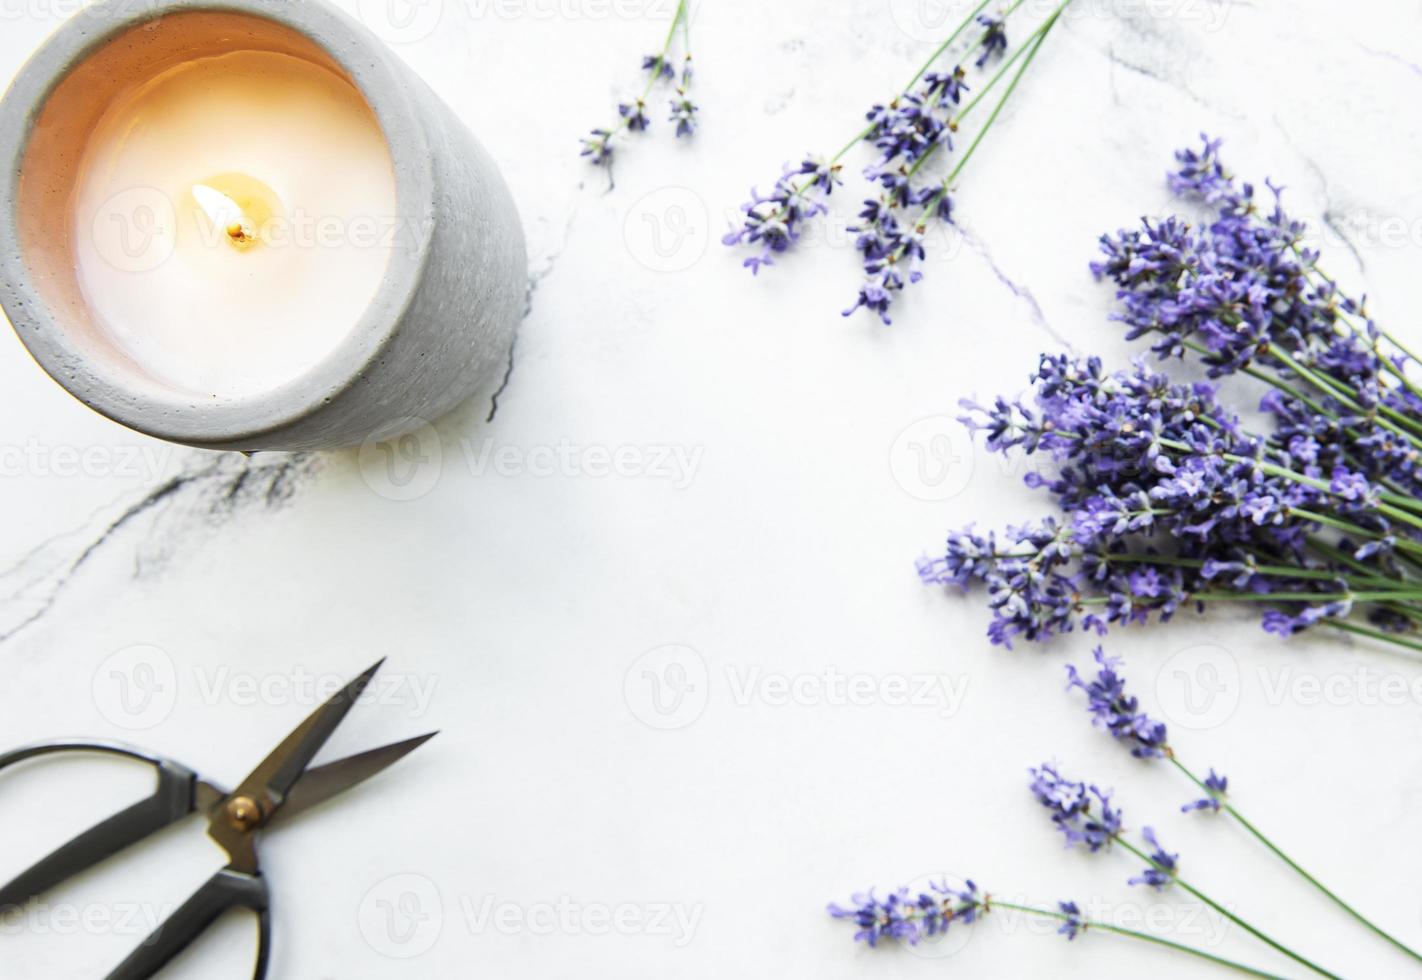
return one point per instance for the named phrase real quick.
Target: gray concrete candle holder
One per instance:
(442, 321)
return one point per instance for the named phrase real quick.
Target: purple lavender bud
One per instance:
(908, 918)
(658, 66)
(1116, 711)
(1216, 787)
(994, 39)
(1082, 813)
(1163, 864)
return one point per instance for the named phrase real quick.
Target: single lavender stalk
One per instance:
(1119, 714)
(632, 116)
(1085, 816)
(1072, 920)
(907, 919)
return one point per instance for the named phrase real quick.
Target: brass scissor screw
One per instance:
(244, 814)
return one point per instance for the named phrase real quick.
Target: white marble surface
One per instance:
(518, 605)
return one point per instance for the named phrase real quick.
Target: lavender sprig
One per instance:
(1085, 816)
(1119, 714)
(599, 147)
(907, 133)
(909, 918)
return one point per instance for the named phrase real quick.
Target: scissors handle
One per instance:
(227, 890)
(173, 800)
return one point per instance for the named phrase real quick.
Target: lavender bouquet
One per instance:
(911, 134)
(1088, 818)
(1166, 499)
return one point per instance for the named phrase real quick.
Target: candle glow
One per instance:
(213, 218)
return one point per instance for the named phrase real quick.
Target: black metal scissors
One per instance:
(277, 790)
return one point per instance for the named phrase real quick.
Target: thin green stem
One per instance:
(1275, 571)
(1259, 836)
(678, 19)
(1256, 933)
(1100, 926)
(1340, 391)
(923, 70)
(1413, 595)
(1375, 634)
(948, 43)
(1043, 31)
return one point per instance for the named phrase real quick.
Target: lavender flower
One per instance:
(634, 115)
(1116, 711)
(774, 222)
(908, 918)
(1074, 923)
(683, 109)
(658, 66)
(994, 39)
(909, 132)
(598, 145)
(1082, 813)
(1216, 787)
(1162, 868)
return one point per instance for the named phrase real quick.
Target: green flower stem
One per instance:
(1257, 934)
(1313, 269)
(1277, 571)
(948, 43)
(1042, 33)
(938, 53)
(1375, 634)
(1259, 836)
(1098, 925)
(678, 19)
(1006, 65)
(1408, 594)
(1029, 48)
(1345, 394)
(1403, 544)
(1385, 506)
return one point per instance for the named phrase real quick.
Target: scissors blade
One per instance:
(324, 782)
(271, 781)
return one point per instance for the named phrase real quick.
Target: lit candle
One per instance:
(273, 184)
(247, 224)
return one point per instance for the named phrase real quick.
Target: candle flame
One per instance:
(224, 213)
(239, 206)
